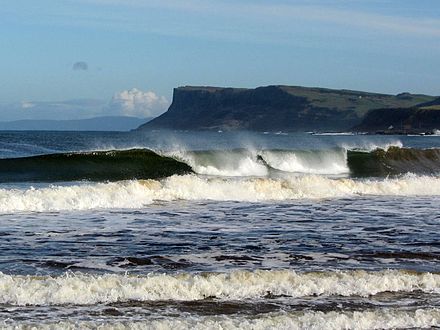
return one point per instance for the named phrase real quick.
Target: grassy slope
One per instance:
(360, 102)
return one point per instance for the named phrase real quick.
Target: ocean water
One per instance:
(218, 230)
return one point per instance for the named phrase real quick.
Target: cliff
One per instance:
(273, 108)
(422, 118)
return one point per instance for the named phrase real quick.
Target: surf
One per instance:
(85, 289)
(191, 187)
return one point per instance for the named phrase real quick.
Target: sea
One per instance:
(219, 230)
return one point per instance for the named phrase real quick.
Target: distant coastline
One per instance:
(105, 123)
(295, 109)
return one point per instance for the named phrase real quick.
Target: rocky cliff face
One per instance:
(422, 118)
(272, 108)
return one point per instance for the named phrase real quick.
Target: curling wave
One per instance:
(110, 165)
(82, 289)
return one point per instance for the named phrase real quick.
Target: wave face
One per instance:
(82, 289)
(139, 193)
(394, 161)
(371, 319)
(94, 166)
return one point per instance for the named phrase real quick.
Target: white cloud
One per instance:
(134, 102)
(27, 105)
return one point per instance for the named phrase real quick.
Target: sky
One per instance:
(70, 59)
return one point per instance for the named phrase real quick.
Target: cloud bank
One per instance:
(132, 102)
(136, 103)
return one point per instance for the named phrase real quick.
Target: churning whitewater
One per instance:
(140, 193)
(89, 289)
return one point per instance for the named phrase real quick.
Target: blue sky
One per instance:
(80, 58)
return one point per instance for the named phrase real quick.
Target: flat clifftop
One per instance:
(210, 89)
(274, 108)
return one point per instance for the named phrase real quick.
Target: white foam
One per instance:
(245, 167)
(232, 163)
(370, 319)
(83, 289)
(334, 134)
(311, 162)
(128, 194)
(138, 194)
(371, 146)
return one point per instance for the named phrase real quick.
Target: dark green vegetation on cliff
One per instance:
(421, 118)
(274, 108)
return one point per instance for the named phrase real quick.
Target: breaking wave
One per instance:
(139, 193)
(333, 161)
(394, 161)
(115, 165)
(82, 289)
(237, 162)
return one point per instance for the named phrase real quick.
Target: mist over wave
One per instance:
(368, 146)
(237, 162)
(126, 164)
(251, 161)
(332, 161)
(140, 193)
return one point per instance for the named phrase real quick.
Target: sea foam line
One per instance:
(370, 319)
(82, 289)
(138, 194)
